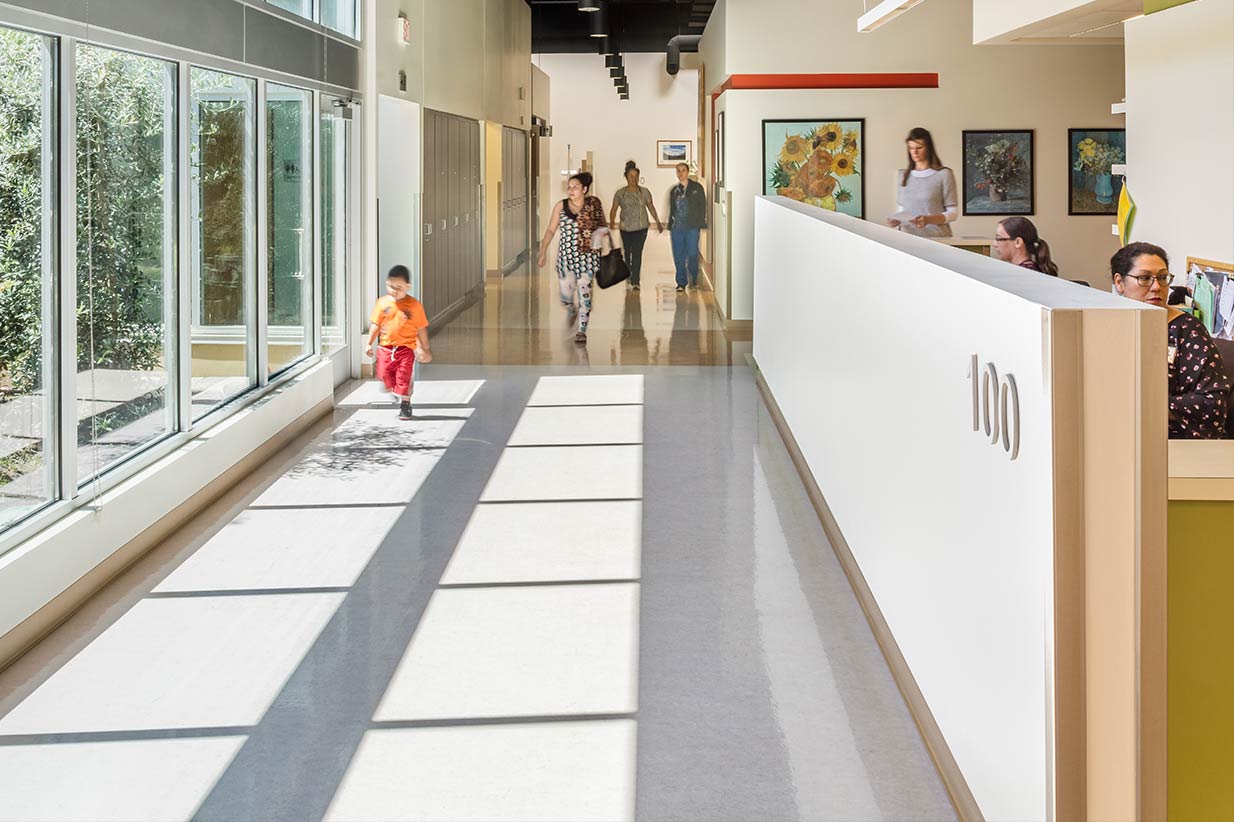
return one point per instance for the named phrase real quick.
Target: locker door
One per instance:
(428, 216)
(443, 211)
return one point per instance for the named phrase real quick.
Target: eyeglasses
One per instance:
(999, 239)
(1146, 280)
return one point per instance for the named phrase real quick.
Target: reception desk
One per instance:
(987, 451)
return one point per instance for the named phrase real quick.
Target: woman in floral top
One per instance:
(1199, 387)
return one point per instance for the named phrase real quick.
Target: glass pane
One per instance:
(126, 253)
(27, 225)
(335, 148)
(223, 156)
(289, 150)
(304, 8)
(339, 15)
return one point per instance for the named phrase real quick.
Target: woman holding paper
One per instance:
(926, 195)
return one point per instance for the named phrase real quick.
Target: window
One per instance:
(335, 156)
(289, 188)
(126, 254)
(28, 184)
(340, 15)
(304, 8)
(223, 185)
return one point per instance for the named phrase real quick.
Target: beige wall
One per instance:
(1047, 89)
(589, 117)
(997, 18)
(1180, 106)
(466, 57)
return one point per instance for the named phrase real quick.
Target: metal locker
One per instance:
(428, 214)
(441, 275)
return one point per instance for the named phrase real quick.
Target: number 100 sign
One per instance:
(996, 406)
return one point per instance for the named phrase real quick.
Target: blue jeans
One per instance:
(685, 255)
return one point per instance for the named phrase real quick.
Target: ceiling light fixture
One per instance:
(883, 13)
(599, 20)
(588, 5)
(612, 61)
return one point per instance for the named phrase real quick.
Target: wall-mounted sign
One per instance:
(404, 31)
(996, 406)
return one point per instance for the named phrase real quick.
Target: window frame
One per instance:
(59, 293)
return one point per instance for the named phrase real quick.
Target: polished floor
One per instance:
(560, 593)
(520, 321)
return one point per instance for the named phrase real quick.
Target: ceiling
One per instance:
(558, 27)
(1095, 22)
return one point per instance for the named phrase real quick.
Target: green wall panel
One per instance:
(1151, 6)
(1201, 661)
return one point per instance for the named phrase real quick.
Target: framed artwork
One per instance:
(1091, 187)
(999, 168)
(719, 171)
(819, 162)
(672, 152)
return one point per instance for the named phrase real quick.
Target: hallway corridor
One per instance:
(560, 593)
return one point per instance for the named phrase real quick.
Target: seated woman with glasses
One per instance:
(1199, 388)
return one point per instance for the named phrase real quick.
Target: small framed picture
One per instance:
(1092, 185)
(999, 172)
(719, 172)
(672, 152)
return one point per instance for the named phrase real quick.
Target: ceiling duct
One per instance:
(681, 43)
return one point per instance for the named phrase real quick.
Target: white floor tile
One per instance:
(550, 772)
(343, 476)
(581, 472)
(179, 663)
(553, 541)
(580, 425)
(539, 651)
(381, 428)
(157, 780)
(597, 389)
(425, 392)
(286, 548)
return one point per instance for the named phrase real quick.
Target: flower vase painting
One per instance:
(1093, 187)
(817, 162)
(998, 172)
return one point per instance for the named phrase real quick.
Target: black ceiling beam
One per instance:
(558, 27)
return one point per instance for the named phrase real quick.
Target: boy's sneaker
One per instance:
(681, 289)
(404, 411)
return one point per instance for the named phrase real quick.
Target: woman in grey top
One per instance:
(634, 202)
(927, 193)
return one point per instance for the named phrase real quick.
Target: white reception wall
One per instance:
(956, 541)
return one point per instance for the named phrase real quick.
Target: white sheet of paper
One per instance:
(1226, 310)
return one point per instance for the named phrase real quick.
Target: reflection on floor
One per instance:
(549, 597)
(521, 321)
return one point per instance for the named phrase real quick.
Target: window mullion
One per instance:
(184, 245)
(315, 313)
(262, 314)
(68, 274)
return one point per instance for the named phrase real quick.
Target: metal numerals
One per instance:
(996, 406)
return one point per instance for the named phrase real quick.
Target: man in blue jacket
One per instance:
(687, 217)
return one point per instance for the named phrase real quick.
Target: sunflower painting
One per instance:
(818, 162)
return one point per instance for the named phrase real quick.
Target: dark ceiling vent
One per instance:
(682, 42)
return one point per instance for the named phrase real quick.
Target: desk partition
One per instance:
(987, 448)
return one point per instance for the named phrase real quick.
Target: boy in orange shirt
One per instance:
(400, 320)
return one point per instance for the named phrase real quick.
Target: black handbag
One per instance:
(613, 269)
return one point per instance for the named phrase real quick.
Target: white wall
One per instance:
(981, 87)
(996, 18)
(1180, 105)
(588, 116)
(399, 187)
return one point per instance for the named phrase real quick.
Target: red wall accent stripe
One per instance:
(824, 81)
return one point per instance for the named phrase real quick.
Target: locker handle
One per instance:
(443, 223)
(428, 229)
(456, 220)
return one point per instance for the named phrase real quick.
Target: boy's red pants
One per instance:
(394, 367)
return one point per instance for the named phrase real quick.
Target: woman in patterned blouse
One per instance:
(1199, 387)
(579, 215)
